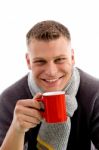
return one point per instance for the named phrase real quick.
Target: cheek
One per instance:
(66, 66)
(36, 71)
(66, 69)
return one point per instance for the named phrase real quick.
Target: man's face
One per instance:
(51, 63)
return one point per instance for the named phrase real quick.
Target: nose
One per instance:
(51, 69)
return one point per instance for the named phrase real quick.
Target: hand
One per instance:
(26, 114)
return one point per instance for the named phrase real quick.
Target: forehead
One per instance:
(49, 48)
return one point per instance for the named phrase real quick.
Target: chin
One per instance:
(51, 90)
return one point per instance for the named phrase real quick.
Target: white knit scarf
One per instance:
(54, 136)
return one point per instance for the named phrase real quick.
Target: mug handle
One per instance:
(42, 110)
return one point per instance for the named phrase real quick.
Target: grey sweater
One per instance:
(84, 123)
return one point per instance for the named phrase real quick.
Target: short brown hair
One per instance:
(47, 30)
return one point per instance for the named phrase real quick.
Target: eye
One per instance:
(60, 60)
(39, 62)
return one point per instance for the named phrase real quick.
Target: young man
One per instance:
(51, 61)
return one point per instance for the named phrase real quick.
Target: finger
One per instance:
(31, 120)
(28, 103)
(38, 95)
(28, 112)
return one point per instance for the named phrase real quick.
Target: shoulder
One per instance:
(17, 90)
(88, 82)
(88, 93)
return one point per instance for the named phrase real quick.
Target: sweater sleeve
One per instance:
(6, 115)
(94, 122)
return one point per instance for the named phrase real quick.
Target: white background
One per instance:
(18, 16)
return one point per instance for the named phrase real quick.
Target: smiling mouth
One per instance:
(52, 80)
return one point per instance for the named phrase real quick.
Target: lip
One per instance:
(52, 81)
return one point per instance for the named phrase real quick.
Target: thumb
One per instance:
(38, 95)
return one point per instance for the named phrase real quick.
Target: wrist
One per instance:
(17, 130)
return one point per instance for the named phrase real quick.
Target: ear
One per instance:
(28, 60)
(73, 57)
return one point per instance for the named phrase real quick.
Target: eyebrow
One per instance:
(39, 58)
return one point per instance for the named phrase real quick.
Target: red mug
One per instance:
(54, 106)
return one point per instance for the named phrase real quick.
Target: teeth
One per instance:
(52, 80)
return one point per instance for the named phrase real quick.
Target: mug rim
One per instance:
(53, 93)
